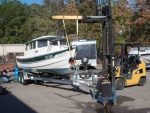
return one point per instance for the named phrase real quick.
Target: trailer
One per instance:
(79, 74)
(76, 78)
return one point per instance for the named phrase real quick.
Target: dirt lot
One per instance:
(55, 98)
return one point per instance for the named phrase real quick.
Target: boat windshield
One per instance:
(29, 46)
(42, 43)
(63, 42)
(54, 42)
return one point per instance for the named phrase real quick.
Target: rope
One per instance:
(67, 37)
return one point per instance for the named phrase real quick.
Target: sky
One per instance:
(29, 2)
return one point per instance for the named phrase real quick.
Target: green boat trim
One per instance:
(61, 71)
(43, 65)
(41, 57)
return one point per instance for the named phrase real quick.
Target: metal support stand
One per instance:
(16, 73)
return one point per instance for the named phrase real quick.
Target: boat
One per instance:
(51, 54)
(46, 54)
(144, 53)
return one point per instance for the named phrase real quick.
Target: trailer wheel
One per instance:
(142, 81)
(24, 82)
(20, 78)
(119, 84)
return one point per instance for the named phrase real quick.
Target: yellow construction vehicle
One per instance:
(129, 69)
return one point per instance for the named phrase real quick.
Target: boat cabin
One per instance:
(44, 44)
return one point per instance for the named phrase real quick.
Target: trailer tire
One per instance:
(142, 81)
(24, 82)
(119, 84)
(20, 78)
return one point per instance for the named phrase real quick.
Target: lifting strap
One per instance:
(68, 18)
(77, 26)
(67, 37)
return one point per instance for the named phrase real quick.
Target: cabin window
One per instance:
(30, 46)
(55, 43)
(26, 48)
(62, 42)
(33, 45)
(42, 43)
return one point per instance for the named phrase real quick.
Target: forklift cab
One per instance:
(123, 58)
(129, 69)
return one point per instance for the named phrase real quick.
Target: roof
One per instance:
(83, 42)
(44, 37)
(11, 44)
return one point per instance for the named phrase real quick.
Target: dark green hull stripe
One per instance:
(42, 57)
(46, 65)
(53, 71)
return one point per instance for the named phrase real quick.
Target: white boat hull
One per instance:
(59, 64)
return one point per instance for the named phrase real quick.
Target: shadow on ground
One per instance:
(94, 107)
(97, 108)
(10, 104)
(59, 86)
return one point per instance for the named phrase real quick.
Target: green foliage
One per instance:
(13, 16)
(21, 22)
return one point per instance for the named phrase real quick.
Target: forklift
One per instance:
(123, 70)
(129, 69)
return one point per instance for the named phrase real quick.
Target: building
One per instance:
(8, 49)
(8, 52)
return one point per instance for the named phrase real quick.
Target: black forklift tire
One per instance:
(142, 81)
(119, 83)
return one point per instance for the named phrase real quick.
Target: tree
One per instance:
(21, 22)
(142, 22)
(13, 15)
(122, 17)
(131, 21)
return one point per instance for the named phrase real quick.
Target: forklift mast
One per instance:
(104, 15)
